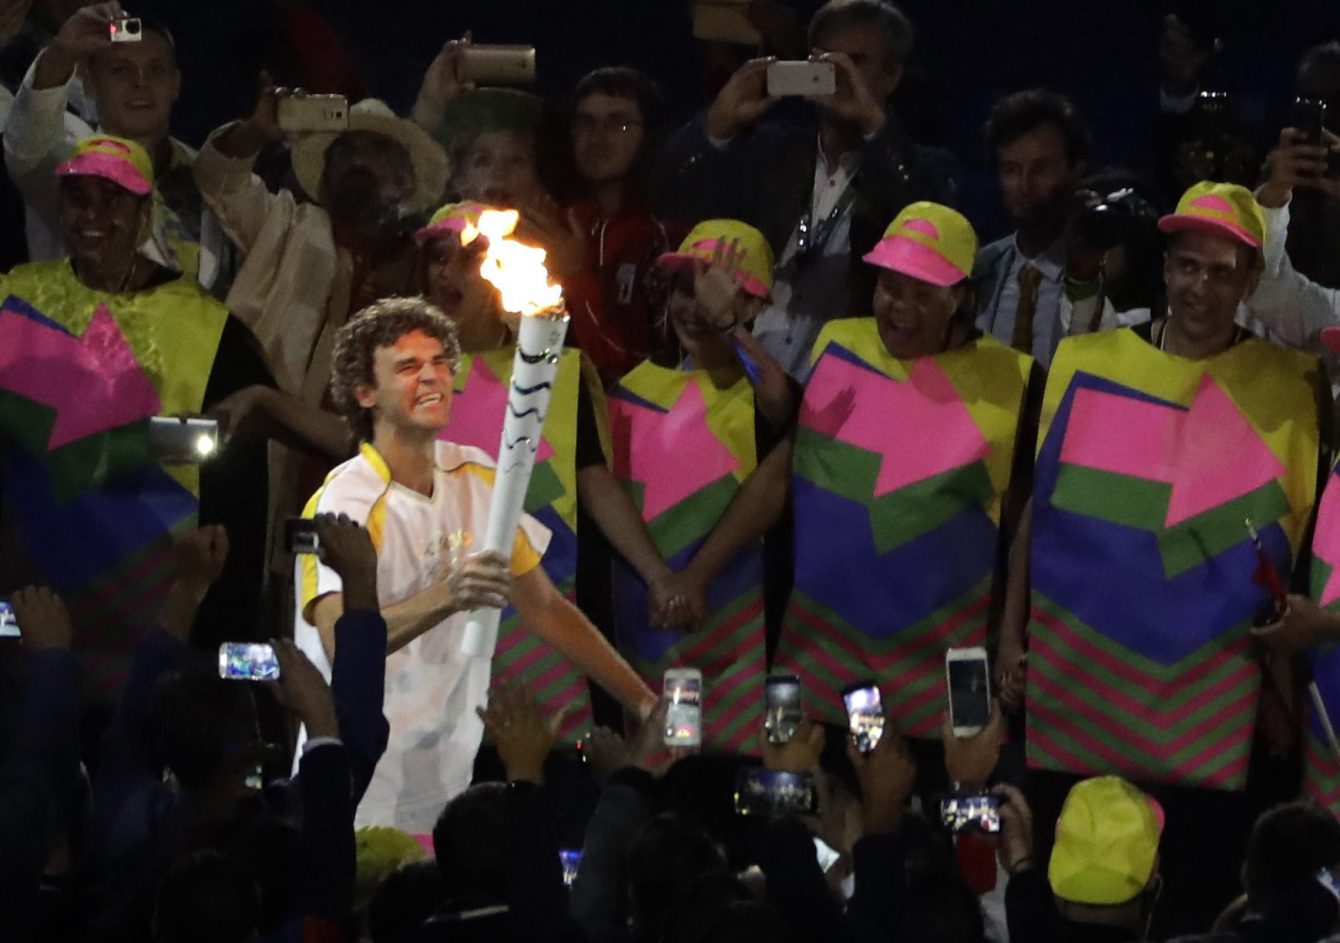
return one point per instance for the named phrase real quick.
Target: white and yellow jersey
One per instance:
(432, 688)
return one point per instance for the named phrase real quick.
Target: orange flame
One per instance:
(515, 269)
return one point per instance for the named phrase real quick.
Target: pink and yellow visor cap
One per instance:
(452, 218)
(703, 240)
(928, 242)
(123, 162)
(1220, 209)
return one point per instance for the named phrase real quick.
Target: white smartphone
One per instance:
(683, 688)
(789, 78)
(9, 625)
(306, 114)
(968, 674)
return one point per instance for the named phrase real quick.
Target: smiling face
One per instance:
(135, 86)
(913, 316)
(411, 391)
(101, 222)
(698, 337)
(1207, 277)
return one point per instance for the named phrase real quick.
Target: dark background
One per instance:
(968, 53)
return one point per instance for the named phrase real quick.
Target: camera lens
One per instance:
(133, 27)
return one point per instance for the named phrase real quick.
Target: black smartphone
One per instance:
(183, 440)
(978, 813)
(300, 535)
(761, 791)
(782, 709)
(1309, 116)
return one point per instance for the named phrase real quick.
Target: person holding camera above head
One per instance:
(310, 265)
(1296, 308)
(427, 501)
(129, 70)
(821, 195)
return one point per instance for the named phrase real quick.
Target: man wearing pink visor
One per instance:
(904, 482)
(1177, 463)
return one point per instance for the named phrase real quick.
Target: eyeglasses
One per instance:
(585, 124)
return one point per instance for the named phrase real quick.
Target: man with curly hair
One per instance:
(426, 503)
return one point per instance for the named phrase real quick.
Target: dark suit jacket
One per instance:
(765, 177)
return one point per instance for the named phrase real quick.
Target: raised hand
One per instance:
(800, 754)
(741, 101)
(1293, 163)
(523, 737)
(304, 691)
(43, 619)
(887, 774)
(853, 101)
(346, 547)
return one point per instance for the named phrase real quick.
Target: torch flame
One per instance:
(516, 270)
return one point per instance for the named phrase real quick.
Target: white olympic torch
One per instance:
(518, 272)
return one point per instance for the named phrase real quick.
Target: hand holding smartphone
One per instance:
(9, 624)
(782, 708)
(683, 689)
(865, 715)
(248, 661)
(801, 78)
(306, 114)
(968, 674)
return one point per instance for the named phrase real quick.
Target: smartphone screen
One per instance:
(9, 625)
(683, 688)
(974, 814)
(300, 535)
(183, 441)
(248, 661)
(865, 714)
(569, 859)
(969, 691)
(774, 792)
(782, 710)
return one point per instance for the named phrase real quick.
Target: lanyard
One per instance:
(811, 237)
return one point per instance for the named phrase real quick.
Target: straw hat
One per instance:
(430, 164)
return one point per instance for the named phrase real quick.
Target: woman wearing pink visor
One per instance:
(907, 473)
(688, 429)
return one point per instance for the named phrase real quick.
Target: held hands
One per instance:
(43, 619)
(678, 600)
(1011, 674)
(523, 738)
(479, 581)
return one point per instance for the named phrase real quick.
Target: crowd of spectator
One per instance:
(808, 433)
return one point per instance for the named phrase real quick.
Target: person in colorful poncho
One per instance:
(90, 347)
(1161, 449)
(574, 437)
(686, 435)
(907, 471)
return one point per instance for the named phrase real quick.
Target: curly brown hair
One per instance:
(381, 325)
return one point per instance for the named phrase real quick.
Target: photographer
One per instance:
(1296, 308)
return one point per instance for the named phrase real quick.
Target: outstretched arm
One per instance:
(550, 616)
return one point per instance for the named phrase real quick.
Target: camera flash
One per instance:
(204, 446)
